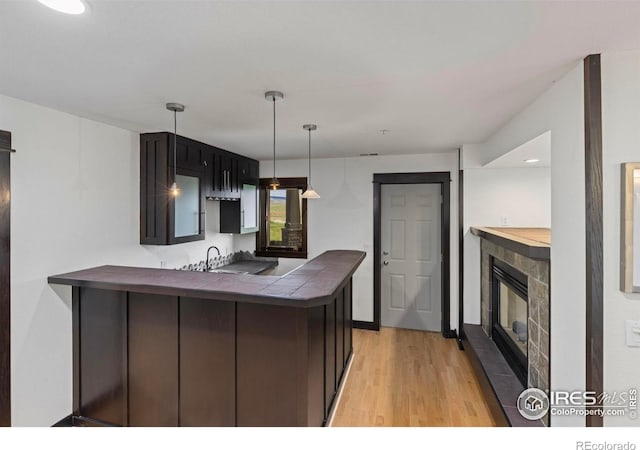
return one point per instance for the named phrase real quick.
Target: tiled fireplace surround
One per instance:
(537, 272)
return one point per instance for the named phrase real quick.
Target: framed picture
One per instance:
(630, 228)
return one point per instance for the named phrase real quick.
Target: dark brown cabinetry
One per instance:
(165, 219)
(144, 359)
(215, 173)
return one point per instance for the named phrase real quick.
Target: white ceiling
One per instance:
(537, 148)
(435, 74)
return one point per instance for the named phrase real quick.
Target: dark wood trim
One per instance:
(362, 325)
(460, 251)
(538, 253)
(594, 227)
(442, 178)
(262, 244)
(75, 345)
(5, 279)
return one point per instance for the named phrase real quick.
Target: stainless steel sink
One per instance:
(237, 272)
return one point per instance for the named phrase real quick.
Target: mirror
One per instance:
(630, 228)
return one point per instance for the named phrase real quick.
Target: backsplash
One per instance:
(218, 261)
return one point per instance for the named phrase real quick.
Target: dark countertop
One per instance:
(312, 284)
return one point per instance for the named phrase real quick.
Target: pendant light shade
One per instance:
(310, 192)
(273, 96)
(174, 190)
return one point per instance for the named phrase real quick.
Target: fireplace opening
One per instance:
(509, 293)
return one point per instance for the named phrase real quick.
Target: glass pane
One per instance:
(636, 227)
(513, 316)
(285, 218)
(249, 201)
(187, 206)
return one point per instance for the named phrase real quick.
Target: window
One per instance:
(283, 219)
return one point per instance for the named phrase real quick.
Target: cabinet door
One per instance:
(248, 171)
(207, 363)
(153, 360)
(230, 181)
(189, 154)
(211, 172)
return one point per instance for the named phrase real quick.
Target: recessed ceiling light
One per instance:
(66, 6)
(531, 161)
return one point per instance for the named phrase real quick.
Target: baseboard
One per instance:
(361, 325)
(450, 334)
(64, 422)
(338, 397)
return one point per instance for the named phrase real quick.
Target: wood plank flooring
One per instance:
(410, 378)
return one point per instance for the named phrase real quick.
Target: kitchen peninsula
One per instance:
(158, 347)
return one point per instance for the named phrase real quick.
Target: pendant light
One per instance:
(176, 108)
(310, 192)
(272, 96)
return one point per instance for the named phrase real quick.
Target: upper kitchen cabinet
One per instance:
(226, 173)
(164, 218)
(249, 172)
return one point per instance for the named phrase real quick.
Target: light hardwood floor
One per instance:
(410, 378)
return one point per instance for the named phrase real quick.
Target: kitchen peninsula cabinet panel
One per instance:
(340, 323)
(269, 377)
(207, 363)
(102, 362)
(315, 386)
(348, 323)
(330, 355)
(153, 360)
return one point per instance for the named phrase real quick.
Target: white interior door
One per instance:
(411, 256)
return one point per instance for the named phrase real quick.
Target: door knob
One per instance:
(386, 263)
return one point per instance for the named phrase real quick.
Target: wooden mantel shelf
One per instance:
(534, 243)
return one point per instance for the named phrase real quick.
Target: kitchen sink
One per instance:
(237, 272)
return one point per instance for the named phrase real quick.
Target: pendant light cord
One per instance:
(175, 144)
(309, 157)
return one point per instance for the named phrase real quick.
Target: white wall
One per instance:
(343, 217)
(520, 195)
(621, 143)
(559, 110)
(75, 204)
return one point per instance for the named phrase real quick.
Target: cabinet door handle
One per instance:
(204, 163)
(242, 219)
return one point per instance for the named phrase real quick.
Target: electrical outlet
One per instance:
(633, 333)
(163, 264)
(504, 221)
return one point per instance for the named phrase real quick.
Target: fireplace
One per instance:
(509, 322)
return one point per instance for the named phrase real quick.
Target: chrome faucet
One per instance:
(209, 249)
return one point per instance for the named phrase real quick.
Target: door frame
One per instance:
(5, 287)
(444, 180)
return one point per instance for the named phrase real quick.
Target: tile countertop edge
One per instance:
(527, 247)
(106, 277)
